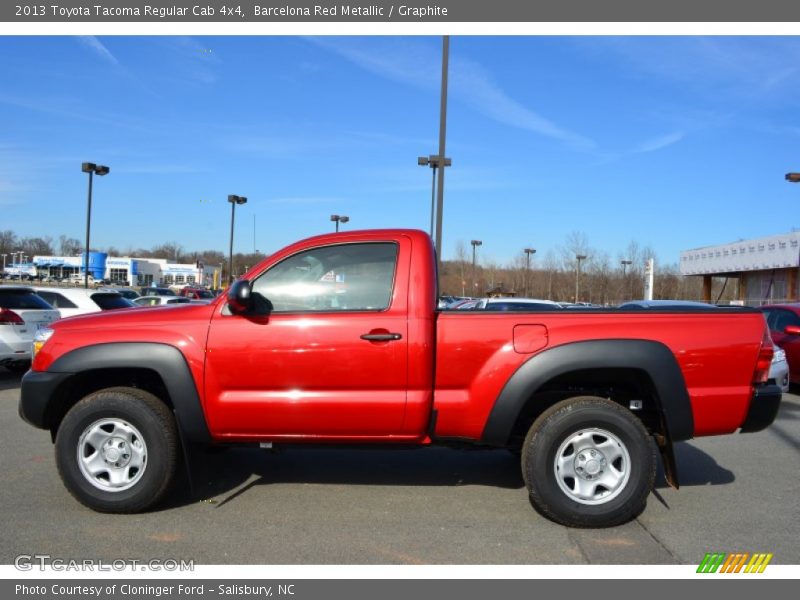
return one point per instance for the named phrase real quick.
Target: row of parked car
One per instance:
(505, 304)
(24, 309)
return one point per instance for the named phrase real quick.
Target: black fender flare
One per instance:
(166, 360)
(654, 358)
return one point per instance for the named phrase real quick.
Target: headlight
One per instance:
(779, 355)
(40, 338)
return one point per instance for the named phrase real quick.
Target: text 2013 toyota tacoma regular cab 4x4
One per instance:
(337, 339)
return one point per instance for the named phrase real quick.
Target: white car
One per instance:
(79, 301)
(779, 369)
(161, 300)
(22, 313)
(78, 279)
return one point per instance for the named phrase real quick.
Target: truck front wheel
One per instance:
(588, 462)
(117, 450)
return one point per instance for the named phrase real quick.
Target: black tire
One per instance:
(576, 427)
(155, 431)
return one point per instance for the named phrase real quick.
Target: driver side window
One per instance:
(345, 277)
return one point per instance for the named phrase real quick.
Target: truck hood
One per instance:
(135, 318)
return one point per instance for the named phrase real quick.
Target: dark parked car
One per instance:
(157, 291)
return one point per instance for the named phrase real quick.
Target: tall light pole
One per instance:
(528, 252)
(442, 137)
(625, 264)
(434, 162)
(92, 169)
(234, 200)
(475, 244)
(339, 219)
(579, 258)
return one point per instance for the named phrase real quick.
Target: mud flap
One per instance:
(668, 460)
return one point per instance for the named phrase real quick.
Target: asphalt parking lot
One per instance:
(423, 506)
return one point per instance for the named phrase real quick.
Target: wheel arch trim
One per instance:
(167, 361)
(654, 358)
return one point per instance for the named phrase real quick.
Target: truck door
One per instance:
(329, 358)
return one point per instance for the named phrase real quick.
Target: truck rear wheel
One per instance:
(117, 450)
(588, 462)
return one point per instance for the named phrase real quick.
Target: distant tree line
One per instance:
(552, 275)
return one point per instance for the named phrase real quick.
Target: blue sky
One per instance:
(675, 142)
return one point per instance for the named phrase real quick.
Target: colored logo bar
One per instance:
(737, 562)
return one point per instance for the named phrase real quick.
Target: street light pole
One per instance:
(442, 138)
(433, 197)
(625, 264)
(234, 200)
(433, 161)
(528, 252)
(339, 219)
(92, 169)
(579, 258)
(475, 244)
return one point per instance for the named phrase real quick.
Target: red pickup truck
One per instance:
(337, 339)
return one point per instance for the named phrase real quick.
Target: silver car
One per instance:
(779, 369)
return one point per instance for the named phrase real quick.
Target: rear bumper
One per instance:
(763, 408)
(36, 392)
(15, 351)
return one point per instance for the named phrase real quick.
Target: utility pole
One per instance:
(442, 137)
(579, 258)
(475, 244)
(625, 264)
(528, 252)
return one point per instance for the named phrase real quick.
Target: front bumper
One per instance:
(763, 408)
(36, 395)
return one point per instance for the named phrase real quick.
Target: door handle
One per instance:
(381, 337)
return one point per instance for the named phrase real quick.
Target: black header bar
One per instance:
(388, 11)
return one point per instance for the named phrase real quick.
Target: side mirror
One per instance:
(239, 299)
(792, 330)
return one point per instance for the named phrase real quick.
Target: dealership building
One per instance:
(765, 270)
(127, 270)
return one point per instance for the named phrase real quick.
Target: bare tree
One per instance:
(36, 245)
(462, 259)
(68, 246)
(170, 251)
(550, 265)
(8, 242)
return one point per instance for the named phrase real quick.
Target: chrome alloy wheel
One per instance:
(112, 455)
(592, 466)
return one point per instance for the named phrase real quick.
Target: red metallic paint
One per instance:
(475, 358)
(310, 376)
